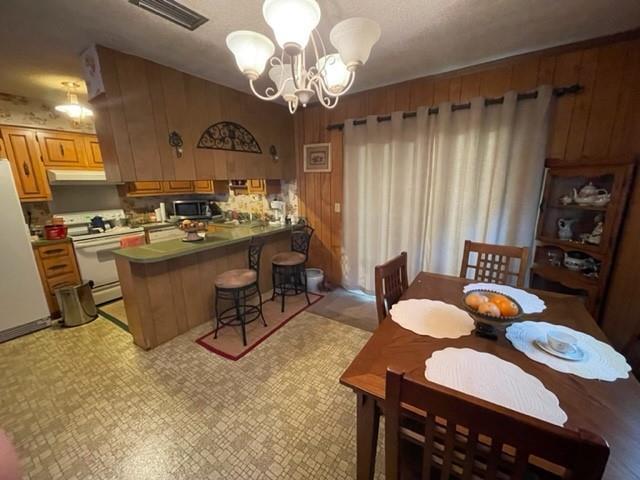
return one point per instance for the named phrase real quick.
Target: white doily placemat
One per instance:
(432, 317)
(529, 302)
(601, 361)
(490, 378)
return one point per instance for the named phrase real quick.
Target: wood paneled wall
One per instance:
(145, 101)
(600, 124)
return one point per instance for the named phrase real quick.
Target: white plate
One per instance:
(575, 355)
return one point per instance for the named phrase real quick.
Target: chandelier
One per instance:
(73, 107)
(328, 75)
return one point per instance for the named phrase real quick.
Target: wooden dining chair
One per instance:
(494, 263)
(391, 282)
(463, 437)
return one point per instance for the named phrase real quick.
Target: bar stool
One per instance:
(238, 285)
(288, 271)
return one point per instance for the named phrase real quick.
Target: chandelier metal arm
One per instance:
(325, 101)
(269, 96)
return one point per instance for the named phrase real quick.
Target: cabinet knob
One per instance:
(61, 149)
(25, 168)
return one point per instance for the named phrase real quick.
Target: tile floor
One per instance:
(85, 403)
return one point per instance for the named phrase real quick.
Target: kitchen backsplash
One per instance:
(30, 112)
(66, 198)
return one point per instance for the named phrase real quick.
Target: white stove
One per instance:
(94, 249)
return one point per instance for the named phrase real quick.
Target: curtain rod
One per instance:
(558, 92)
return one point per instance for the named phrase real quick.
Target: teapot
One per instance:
(590, 194)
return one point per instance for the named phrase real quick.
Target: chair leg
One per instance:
(240, 316)
(215, 307)
(260, 305)
(283, 291)
(304, 281)
(273, 282)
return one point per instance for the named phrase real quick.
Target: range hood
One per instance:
(77, 177)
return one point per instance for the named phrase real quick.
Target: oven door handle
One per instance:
(96, 243)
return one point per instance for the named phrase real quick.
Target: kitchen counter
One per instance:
(168, 287)
(43, 243)
(166, 250)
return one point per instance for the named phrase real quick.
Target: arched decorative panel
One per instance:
(229, 136)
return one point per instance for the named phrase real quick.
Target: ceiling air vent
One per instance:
(172, 11)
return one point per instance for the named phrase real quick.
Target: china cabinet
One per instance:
(578, 226)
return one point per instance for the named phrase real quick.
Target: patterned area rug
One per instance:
(229, 342)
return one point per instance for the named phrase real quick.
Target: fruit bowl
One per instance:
(502, 311)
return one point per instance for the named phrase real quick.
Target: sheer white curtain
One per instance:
(427, 184)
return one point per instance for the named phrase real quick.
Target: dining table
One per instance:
(610, 409)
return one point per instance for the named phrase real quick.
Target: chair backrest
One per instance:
(390, 281)
(468, 438)
(495, 263)
(301, 239)
(255, 251)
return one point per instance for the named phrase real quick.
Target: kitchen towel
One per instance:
(490, 378)
(601, 361)
(529, 302)
(432, 317)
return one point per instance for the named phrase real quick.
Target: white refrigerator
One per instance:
(23, 306)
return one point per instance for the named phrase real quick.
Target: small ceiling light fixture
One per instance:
(294, 23)
(73, 107)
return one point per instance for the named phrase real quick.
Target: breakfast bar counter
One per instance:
(168, 287)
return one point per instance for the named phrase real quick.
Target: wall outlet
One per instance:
(336, 207)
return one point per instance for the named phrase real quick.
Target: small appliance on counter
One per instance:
(196, 210)
(278, 208)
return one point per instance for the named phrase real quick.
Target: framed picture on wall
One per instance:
(317, 158)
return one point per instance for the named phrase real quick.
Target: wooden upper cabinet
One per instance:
(256, 185)
(61, 149)
(92, 152)
(23, 153)
(178, 186)
(144, 188)
(203, 186)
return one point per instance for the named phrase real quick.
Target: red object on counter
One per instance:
(55, 232)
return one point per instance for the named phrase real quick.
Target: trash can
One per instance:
(314, 279)
(76, 304)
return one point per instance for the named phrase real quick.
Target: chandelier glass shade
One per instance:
(327, 76)
(73, 108)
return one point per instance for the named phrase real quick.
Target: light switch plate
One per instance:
(336, 207)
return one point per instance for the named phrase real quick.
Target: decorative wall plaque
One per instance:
(229, 136)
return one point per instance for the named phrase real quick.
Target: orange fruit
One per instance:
(508, 309)
(475, 299)
(489, 308)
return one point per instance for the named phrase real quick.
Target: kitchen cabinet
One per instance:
(76, 151)
(136, 189)
(145, 102)
(61, 149)
(177, 186)
(256, 185)
(58, 268)
(22, 150)
(203, 186)
(92, 152)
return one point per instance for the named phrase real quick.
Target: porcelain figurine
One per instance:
(595, 236)
(566, 199)
(565, 231)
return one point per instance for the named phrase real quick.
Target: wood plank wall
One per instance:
(601, 124)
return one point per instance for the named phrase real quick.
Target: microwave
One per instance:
(194, 209)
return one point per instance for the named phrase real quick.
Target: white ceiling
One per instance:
(41, 39)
